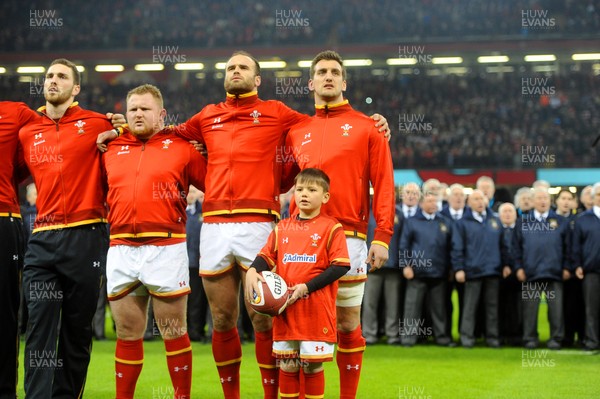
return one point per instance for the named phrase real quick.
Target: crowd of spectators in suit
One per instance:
(501, 258)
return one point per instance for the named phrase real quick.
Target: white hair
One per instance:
(540, 183)
(457, 186)
(595, 189)
(485, 179)
(30, 187)
(519, 194)
(505, 205)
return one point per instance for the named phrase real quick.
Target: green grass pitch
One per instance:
(421, 372)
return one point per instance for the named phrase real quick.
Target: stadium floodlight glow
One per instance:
(486, 59)
(149, 67)
(80, 68)
(288, 74)
(304, 63)
(457, 70)
(189, 66)
(31, 69)
(586, 57)
(540, 57)
(545, 68)
(2, 70)
(272, 64)
(358, 62)
(499, 69)
(200, 75)
(109, 68)
(220, 65)
(401, 61)
(447, 60)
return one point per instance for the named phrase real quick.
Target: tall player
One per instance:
(13, 115)
(345, 145)
(67, 250)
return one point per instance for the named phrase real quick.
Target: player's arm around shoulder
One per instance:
(196, 168)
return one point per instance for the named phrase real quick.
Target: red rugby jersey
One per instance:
(346, 145)
(244, 137)
(65, 164)
(299, 250)
(13, 115)
(147, 186)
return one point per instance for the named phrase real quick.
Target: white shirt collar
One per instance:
(410, 210)
(539, 216)
(455, 212)
(428, 216)
(596, 211)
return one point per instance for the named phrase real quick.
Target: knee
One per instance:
(312, 368)
(290, 365)
(348, 323)
(224, 319)
(130, 330)
(260, 322)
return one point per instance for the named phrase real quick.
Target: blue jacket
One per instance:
(392, 262)
(478, 248)
(507, 239)
(586, 242)
(193, 226)
(425, 245)
(446, 212)
(541, 248)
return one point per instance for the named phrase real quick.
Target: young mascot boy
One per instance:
(309, 252)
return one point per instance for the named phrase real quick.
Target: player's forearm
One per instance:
(260, 264)
(326, 277)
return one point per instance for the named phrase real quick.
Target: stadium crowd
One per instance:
(143, 24)
(438, 122)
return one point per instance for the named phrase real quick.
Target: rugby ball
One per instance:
(271, 298)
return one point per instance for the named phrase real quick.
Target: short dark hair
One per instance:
(70, 64)
(328, 55)
(247, 54)
(314, 175)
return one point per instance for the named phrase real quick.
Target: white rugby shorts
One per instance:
(315, 351)
(160, 271)
(351, 293)
(223, 245)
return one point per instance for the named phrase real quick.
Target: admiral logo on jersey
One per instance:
(304, 258)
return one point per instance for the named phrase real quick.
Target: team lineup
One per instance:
(142, 178)
(112, 209)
